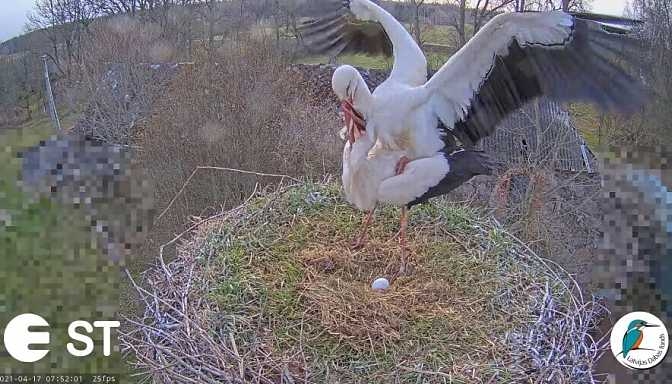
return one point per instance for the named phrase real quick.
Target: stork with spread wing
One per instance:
(513, 59)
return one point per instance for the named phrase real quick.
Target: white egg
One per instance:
(380, 284)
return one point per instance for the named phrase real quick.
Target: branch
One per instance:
(184, 186)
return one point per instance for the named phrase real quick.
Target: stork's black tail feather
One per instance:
(464, 164)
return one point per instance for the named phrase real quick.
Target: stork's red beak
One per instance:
(354, 122)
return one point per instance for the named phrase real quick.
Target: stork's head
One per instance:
(345, 82)
(351, 90)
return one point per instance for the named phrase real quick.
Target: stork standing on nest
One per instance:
(514, 58)
(368, 179)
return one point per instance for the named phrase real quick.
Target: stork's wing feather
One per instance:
(517, 57)
(608, 19)
(340, 32)
(613, 24)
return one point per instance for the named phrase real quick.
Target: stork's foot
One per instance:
(401, 165)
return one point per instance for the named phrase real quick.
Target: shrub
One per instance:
(244, 109)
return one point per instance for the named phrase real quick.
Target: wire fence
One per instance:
(541, 133)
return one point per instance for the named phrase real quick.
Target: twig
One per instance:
(424, 372)
(184, 186)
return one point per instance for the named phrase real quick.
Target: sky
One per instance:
(13, 17)
(609, 7)
(13, 14)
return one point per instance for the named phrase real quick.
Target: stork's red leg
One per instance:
(359, 242)
(401, 165)
(402, 241)
(403, 223)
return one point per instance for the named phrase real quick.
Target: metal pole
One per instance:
(586, 160)
(53, 113)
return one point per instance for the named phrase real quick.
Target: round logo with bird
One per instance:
(639, 340)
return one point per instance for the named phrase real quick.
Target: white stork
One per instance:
(368, 179)
(514, 58)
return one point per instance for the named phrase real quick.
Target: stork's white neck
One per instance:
(361, 95)
(410, 64)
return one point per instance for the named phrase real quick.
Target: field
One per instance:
(49, 266)
(587, 120)
(357, 60)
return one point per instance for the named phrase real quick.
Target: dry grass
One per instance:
(555, 213)
(271, 292)
(245, 110)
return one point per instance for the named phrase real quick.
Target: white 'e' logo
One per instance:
(18, 337)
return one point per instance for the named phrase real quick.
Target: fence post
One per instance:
(586, 160)
(53, 113)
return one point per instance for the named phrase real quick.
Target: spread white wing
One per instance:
(517, 57)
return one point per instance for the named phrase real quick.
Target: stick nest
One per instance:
(270, 292)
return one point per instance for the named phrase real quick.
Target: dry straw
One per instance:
(269, 292)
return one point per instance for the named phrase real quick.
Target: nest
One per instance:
(271, 292)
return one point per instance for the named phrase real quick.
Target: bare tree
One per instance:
(416, 30)
(461, 22)
(547, 5)
(484, 10)
(651, 127)
(114, 7)
(19, 84)
(179, 26)
(210, 16)
(63, 21)
(45, 18)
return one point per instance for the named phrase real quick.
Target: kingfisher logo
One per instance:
(639, 340)
(29, 346)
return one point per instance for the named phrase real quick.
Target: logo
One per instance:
(19, 338)
(639, 340)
